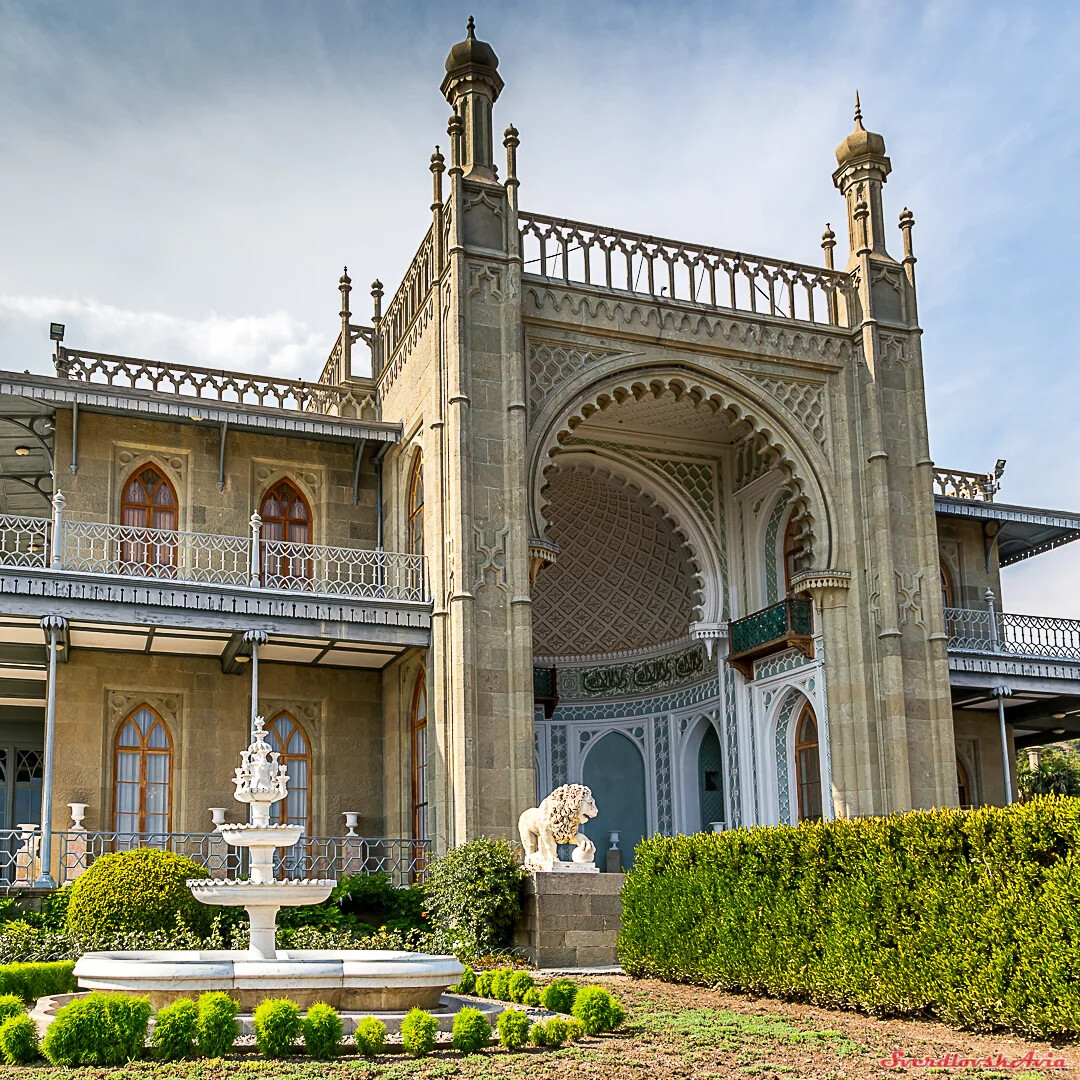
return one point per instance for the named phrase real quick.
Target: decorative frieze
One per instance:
(636, 678)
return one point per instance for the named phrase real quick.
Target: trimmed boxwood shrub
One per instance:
(11, 1005)
(99, 1029)
(532, 997)
(135, 890)
(217, 1028)
(973, 916)
(538, 1034)
(32, 981)
(471, 1031)
(482, 983)
(500, 984)
(277, 1027)
(575, 1029)
(466, 984)
(555, 1031)
(370, 1036)
(558, 996)
(473, 894)
(322, 1031)
(596, 1009)
(519, 984)
(175, 1030)
(418, 1033)
(19, 1040)
(513, 1028)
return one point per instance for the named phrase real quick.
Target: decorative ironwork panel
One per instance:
(335, 571)
(1034, 637)
(23, 541)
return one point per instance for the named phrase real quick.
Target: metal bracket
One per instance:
(991, 531)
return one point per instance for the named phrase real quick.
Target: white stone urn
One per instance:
(352, 819)
(78, 812)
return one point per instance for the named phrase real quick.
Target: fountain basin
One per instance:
(291, 893)
(361, 980)
(270, 836)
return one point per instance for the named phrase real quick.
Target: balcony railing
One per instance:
(74, 850)
(87, 547)
(788, 624)
(998, 633)
(957, 484)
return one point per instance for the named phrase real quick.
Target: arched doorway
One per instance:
(286, 521)
(615, 772)
(710, 779)
(149, 505)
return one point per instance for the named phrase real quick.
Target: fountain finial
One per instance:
(260, 778)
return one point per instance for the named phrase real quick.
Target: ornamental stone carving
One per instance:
(555, 821)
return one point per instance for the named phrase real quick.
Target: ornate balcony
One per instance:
(999, 633)
(786, 625)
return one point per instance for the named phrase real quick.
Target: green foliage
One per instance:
(176, 1030)
(31, 981)
(513, 1028)
(418, 1033)
(500, 984)
(54, 910)
(532, 997)
(1058, 773)
(971, 916)
(19, 1040)
(482, 983)
(575, 1029)
(11, 1005)
(519, 984)
(217, 1028)
(473, 894)
(466, 984)
(322, 1031)
(555, 1031)
(135, 890)
(277, 1027)
(99, 1029)
(538, 1034)
(471, 1032)
(597, 1009)
(558, 996)
(370, 1036)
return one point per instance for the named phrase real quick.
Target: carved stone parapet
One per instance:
(813, 580)
(542, 553)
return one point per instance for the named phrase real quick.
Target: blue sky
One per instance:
(184, 181)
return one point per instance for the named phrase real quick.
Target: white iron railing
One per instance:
(999, 633)
(131, 552)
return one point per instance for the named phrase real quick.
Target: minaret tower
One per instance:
(472, 86)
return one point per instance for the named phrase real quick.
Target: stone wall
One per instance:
(570, 920)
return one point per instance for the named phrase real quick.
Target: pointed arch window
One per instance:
(420, 761)
(415, 505)
(143, 770)
(792, 551)
(808, 765)
(148, 501)
(287, 738)
(286, 519)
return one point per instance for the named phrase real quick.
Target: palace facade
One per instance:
(576, 505)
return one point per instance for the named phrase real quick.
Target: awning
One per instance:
(1021, 531)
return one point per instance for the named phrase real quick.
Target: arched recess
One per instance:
(615, 772)
(788, 709)
(701, 753)
(802, 464)
(677, 509)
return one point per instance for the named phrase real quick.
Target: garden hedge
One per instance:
(31, 981)
(970, 916)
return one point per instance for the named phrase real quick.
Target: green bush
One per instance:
(555, 1031)
(217, 1027)
(471, 1031)
(519, 984)
(11, 1005)
(482, 983)
(597, 1010)
(19, 1040)
(322, 1031)
(54, 910)
(370, 1036)
(473, 894)
(466, 984)
(513, 1028)
(176, 1030)
(135, 890)
(972, 916)
(575, 1029)
(500, 984)
(558, 996)
(99, 1029)
(32, 981)
(418, 1033)
(532, 997)
(538, 1034)
(277, 1027)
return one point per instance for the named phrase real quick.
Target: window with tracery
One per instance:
(143, 770)
(286, 516)
(808, 765)
(415, 504)
(287, 738)
(148, 501)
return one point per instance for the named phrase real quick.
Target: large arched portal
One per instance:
(615, 772)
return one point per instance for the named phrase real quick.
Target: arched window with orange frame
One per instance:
(288, 739)
(808, 765)
(143, 772)
(420, 760)
(148, 502)
(286, 521)
(414, 524)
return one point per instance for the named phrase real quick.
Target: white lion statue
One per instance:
(555, 821)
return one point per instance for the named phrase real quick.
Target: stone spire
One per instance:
(862, 168)
(472, 86)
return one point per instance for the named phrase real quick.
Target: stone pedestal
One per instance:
(570, 920)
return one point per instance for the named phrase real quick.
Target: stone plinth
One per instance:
(570, 920)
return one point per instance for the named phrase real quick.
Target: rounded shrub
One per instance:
(11, 1005)
(277, 1027)
(322, 1031)
(19, 1040)
(418, 1033)
(217, 1028)
(471, 1032)
(99, 1029)
(558, 996)
(538, 1034)
(466, 984)
(575, 1029)
(555, 1032)
(597, 1010)
(473, 894)
(531, 997)
(175, 1030)
(135, 891)
(500, 984)
(482, 983)
(513, 1028)
(519, 984)
(370, 1036)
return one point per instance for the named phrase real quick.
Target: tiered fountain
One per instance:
(353, 980)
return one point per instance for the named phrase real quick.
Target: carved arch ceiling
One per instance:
(624, 579)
